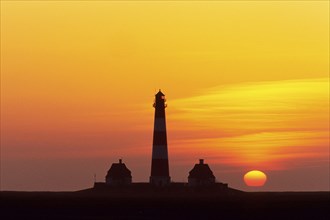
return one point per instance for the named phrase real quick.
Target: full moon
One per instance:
(255, 178)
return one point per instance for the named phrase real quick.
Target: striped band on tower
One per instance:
(159, 164)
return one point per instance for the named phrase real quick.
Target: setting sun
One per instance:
(255, 178)
(246, 83)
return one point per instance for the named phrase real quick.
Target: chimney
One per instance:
(201, 161)
(120, 161)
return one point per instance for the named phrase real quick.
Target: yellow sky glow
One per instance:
(247, 84)
(258, 123)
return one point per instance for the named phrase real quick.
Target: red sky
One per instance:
(247, 85)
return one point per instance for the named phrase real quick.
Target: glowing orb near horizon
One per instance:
(255, 178)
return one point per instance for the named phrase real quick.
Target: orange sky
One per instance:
(247, 85)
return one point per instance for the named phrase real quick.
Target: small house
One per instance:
(201, 175)
(118, 175)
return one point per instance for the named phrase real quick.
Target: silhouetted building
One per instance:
(159, 165)
(118, 175)
(201, 175)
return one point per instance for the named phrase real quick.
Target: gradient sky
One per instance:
(247, 84)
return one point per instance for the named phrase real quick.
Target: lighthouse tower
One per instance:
(159, 165)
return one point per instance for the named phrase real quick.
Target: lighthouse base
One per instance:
(160, 180)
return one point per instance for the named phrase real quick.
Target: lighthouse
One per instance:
(159, 164)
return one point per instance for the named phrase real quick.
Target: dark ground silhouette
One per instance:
(162, 204)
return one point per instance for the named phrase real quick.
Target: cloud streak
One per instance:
(263, 124)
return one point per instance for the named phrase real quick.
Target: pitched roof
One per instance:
(119, 170)
(201, 171)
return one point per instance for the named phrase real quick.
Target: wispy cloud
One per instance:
(256, 124)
